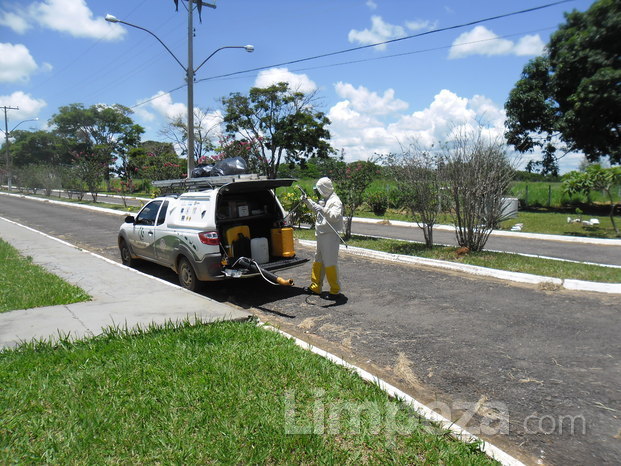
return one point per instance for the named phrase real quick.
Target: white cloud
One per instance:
(70, 16)
(371, 4)
(16, 63)
(482, 41)
(161, 109)
(420, 24)
(380, 32)
(29, 107)
(164, 106)
(15, 21)
(297, 82)
(529, 45)
(363, 100)
(356, 129)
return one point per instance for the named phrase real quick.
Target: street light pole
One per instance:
(190, 80)
(189, 70)
(7, 141)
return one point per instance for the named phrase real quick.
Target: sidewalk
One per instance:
(121, 296)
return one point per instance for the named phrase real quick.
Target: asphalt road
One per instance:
(610, 255)
(538, 370)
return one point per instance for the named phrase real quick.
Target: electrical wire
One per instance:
(413, 36)
(353, 49)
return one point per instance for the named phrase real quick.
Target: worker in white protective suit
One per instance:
(329, 212)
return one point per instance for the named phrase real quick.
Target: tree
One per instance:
(283, 122)
(569, 99)
(419, 179)
(37, 147)
(153, 162)
(107, 130)
(478, 174)
(176, 131)
(595, 178)
(351, 181)
(90, 168)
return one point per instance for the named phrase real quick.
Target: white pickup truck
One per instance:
(202, 233)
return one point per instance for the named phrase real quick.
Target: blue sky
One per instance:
(57, 52)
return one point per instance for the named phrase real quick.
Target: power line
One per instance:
(413, 36)
(362, 47)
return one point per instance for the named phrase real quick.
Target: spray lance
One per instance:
(319, 214)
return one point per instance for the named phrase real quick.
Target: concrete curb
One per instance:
(509, 234)
(456, 431)
(576, 285)
(71, 204)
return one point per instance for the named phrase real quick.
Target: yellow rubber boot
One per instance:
(316, 277)
(333, 279)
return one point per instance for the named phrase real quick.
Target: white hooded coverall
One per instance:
(330, 210)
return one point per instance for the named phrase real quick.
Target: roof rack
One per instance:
(207, 182)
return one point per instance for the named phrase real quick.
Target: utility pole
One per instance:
(6, 145)
(190, 79)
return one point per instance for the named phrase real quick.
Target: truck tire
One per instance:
(187, 276)
(126, 254)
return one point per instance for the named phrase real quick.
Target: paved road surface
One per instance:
(542, 364)
(563, 250)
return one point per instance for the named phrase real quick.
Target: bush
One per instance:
(298, 212)
(377, 202)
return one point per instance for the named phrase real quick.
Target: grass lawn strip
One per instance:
(493, 260)
(226, 392)
(26, 285)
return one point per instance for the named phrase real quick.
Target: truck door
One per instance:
(142, 235)
(165, 245)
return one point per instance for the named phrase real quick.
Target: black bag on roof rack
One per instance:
(224, 167)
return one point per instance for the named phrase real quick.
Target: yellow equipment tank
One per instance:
(282, 242)
(232, 234)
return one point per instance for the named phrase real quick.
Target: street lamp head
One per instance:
(249, 48)
(112, 19)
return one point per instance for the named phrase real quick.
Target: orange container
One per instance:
(282, 242)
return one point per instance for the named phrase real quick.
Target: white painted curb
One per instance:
(578, 285)
(456, 431)
(70, 204)
(511, 234)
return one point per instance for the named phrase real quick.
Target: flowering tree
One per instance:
(151, 166)
(248, 149)
(351, 181)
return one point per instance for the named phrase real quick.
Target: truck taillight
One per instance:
(209, 237)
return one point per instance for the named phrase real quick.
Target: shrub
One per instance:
(377, 202)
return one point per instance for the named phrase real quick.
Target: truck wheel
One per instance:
(126, 255)
(187, 276)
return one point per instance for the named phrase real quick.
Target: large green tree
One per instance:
(282, 123)
(107, 130)
(569, 99)
(37, 147)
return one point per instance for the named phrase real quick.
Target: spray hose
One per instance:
(266, 274)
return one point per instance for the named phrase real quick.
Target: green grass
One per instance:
(493, 260)
(556, 223)
(548, 194)
(223, 393)
(26, 285)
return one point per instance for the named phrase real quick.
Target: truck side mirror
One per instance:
(130, 219)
